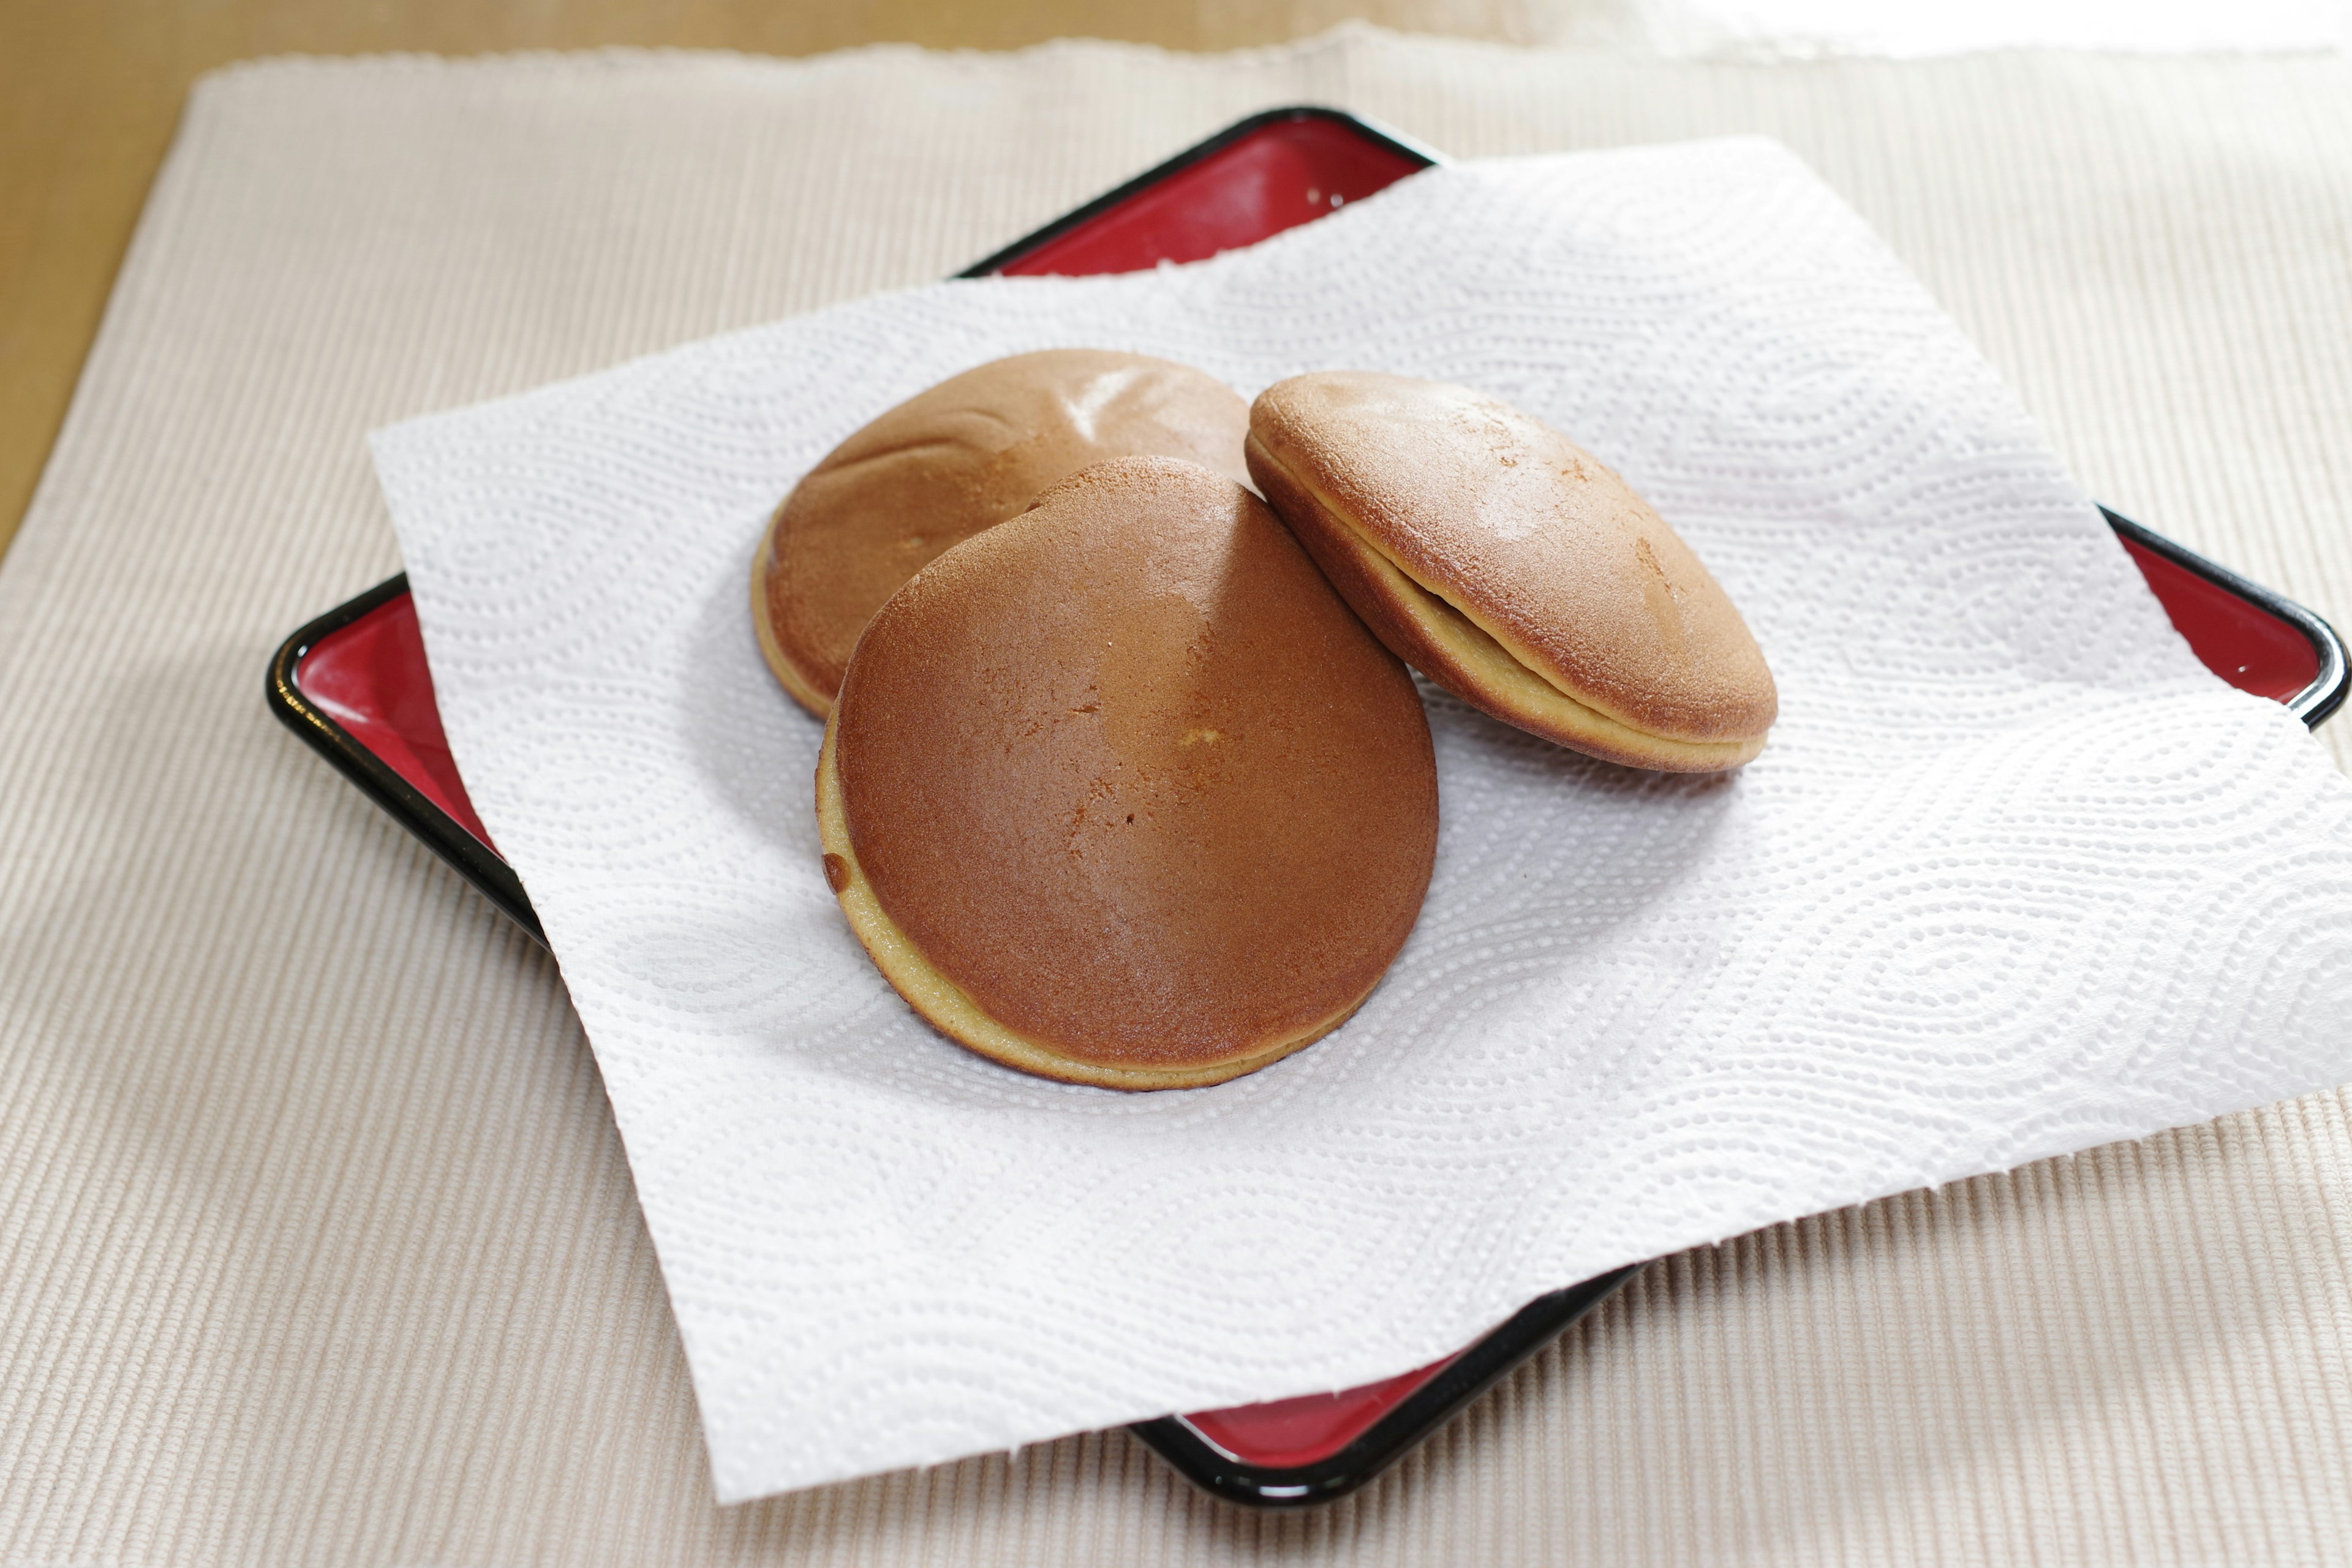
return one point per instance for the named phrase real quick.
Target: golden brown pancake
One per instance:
(1513, 568)
(1120, 793)
(946, 464)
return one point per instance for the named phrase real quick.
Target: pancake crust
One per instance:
(1513, 568)
(946, 464)
(1120, 793)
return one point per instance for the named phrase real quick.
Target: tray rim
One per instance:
(1494, 1356)
(408, 806)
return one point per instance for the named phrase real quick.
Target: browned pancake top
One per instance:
(962, 457)
(1533, 536)
(1128, 771)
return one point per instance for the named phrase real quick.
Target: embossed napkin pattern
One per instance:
(2015, 877)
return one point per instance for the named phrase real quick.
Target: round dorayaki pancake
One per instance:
(1513, 568)
(1120, 793)
(948, 462)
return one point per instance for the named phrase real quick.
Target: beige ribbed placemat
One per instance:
(315, 1243)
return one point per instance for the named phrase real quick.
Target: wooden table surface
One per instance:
(90, 90)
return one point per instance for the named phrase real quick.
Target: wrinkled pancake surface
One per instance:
(1513, 568)
(947, 463)
(1121, 792)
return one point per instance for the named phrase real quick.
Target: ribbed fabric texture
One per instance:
(316, 1242)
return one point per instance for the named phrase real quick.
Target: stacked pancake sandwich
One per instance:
(1121, 792)
(1127, 784)
(1513, 568)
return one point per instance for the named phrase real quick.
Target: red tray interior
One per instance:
(1284, 1433)
(2239, 641)
(371, 675)
(370, 678)
(1278, 176)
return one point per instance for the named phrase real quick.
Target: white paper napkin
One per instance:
(2015, 877)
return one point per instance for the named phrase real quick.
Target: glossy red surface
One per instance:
(2244, 644)
(1282, 1433)
(372, 679)
(1278, 177)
